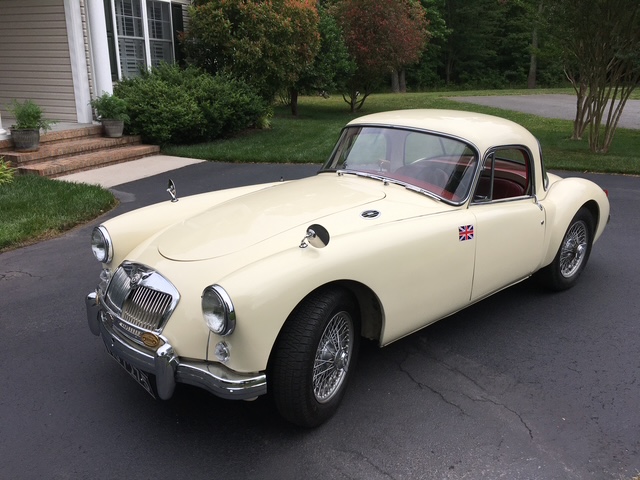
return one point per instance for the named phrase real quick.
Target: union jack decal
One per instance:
(465, 232)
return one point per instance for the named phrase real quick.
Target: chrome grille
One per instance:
(141, 296)
(145, 307)
(119, 288)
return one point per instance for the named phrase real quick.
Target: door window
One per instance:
(506, 174)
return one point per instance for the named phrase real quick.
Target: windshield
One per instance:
(436, 164)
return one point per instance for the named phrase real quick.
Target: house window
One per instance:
(160, 34)
(144, 33)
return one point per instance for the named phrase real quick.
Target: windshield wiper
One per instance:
(387, 180)
(363, 174)
(429, 194)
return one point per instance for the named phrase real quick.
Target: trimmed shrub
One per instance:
(6, 172)
(174, 105)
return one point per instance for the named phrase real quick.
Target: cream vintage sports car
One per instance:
(268, 288)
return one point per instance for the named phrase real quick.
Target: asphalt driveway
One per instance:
(551, 106)
(524, 385)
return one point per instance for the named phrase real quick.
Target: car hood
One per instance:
(249, 219)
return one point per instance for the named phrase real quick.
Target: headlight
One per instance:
(218, 310)
(101, 245)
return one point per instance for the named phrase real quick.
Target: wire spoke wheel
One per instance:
(332, 357)
(573, 249)
(573, 253)
(315, 356)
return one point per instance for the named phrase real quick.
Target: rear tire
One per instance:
(315, 356)
(572, 255)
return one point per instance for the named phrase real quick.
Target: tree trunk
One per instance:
(583, 105)
(350, 99)
(533, 59)
(448, 69)
(293, 92)
(395, 82)
(580, 123)
(403, 81)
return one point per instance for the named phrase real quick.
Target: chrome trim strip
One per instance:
(93, 310)
(108, 242)
(231, 311)
(169, 369)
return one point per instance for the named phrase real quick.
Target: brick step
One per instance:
(54, 136)
(87, 161)
(66, 148)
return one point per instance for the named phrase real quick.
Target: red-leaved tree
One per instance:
(383, 36)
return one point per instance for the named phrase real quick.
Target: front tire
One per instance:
(572, 255)
(315, 356)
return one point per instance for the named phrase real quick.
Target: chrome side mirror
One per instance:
(171, 188)
(317, 236)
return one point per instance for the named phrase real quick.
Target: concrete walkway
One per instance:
(120, 173)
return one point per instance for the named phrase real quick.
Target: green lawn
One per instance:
(310, 137)
(34, 208)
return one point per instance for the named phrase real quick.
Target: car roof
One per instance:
(482, 130)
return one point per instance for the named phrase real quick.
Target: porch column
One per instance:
(78, 58)
(2, 130)
(99, 47)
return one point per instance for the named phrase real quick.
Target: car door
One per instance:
(509, 222)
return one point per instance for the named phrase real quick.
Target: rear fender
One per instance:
(563, 200)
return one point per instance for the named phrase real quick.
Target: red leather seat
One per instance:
(502, 188)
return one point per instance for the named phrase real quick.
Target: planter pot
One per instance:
(112, 128)
(26, 140)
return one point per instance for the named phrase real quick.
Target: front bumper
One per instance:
(168, 368)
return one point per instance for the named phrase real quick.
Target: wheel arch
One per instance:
(563, 220)
(368, 303)
(563, 200)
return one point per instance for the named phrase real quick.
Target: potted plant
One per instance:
(29, 121)
(112, 112)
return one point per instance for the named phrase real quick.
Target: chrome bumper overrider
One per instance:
(169, 369)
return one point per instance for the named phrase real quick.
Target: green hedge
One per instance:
(170, 105)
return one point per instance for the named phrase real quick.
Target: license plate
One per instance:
(138, 375)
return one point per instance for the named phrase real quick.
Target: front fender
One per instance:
(563, 200)
(417, 270)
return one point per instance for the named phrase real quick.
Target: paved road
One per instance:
(524, 385)
(551, 106)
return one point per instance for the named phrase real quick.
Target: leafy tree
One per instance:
(600, 42)
(382, 36)
(332, 65)
(269, 44)
(425, 72)
(470, 52)
(514, 32)
(486, 43)
(535, 43)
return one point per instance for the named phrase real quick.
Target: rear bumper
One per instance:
(167, 367)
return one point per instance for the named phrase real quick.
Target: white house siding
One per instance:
(34, 57)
